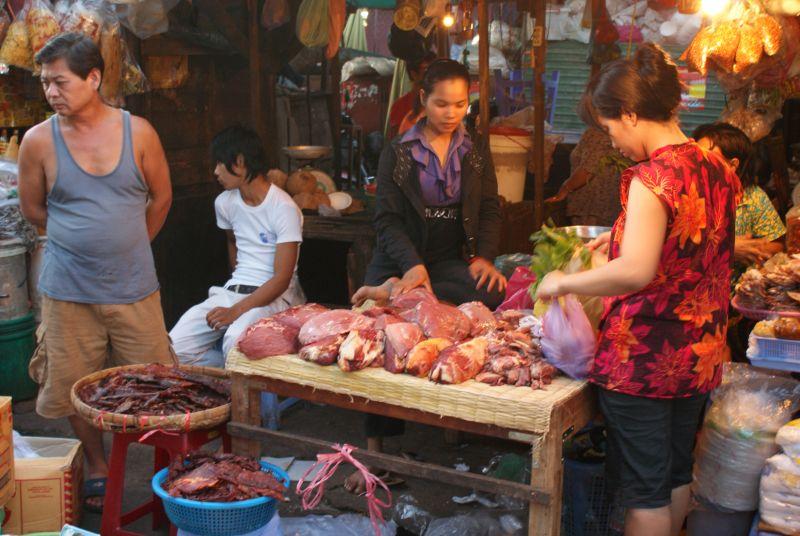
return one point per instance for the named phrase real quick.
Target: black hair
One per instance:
(443, 69)
(237, 140)
(647, 85)
(79, 51)
(417, 63)
(733, 143)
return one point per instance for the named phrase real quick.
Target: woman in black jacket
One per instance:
(437, 216)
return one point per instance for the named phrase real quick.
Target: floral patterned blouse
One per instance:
(668, 339)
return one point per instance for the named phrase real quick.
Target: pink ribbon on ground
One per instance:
(312, 494)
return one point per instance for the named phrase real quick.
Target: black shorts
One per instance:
(650, 444)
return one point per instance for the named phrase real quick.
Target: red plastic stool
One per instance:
(168, 445)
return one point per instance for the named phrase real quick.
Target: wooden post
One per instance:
(335, 111)
(483, 63)
(254, 57)
(245, 409)
(598, 8)
(442, 42)
(538, 53)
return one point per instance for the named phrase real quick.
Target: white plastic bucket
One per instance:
(13, 280)
(510, 152)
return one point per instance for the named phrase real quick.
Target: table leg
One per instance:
(245, 408)
(547, 476)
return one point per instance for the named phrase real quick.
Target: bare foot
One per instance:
(355, 483)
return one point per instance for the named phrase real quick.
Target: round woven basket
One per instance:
(120, 422)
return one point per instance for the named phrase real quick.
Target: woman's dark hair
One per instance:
(237, 140)
(79, 51)
(443, 69)
(733, 143)
(647, 85)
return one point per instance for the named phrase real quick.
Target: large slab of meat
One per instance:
(331, 323)
(323, 352)
(268, 337)
(439, 320)
(462, 362)
(401, 337)
(299, 314)
(220, 478)
(480, 317)
(155, 390)
(361, 348)
(412, 298)
(421, 358)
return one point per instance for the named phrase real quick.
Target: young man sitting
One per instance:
(264, 229)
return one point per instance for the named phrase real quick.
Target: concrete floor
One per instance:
(323, 422)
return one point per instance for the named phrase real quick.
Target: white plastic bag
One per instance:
(789, 439)
(780, 494)
(145, 18)
(569, 342)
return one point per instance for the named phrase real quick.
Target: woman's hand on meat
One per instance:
(748, 250)
(485, 273)
(551, 286)
(600, 243)
(416, 276)
(222, 317)
(380, 294)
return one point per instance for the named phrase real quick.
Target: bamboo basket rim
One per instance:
(122, 422)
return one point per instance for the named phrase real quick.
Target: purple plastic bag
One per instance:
(569, 342)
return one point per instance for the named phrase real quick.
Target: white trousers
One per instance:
(195, 343)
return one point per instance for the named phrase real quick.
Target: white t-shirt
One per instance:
(258, 230)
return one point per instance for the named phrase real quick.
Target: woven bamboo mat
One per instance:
(516, 408)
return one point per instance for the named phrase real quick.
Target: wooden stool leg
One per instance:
(112, 503)
(547, 472)
(246, 409)
(160, 461)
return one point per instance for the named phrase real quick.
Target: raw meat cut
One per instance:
(412, 298)
(375, 312)
(400, 339)
(515, 358)
(480, 317)
(323, 352)
(509, 320)
(421, 358)
(333, 323)
(361, 348)
(384, 320)
(299, 314)
(460, 363)
(438, 320)
(267, 338)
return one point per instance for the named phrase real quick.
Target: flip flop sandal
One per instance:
(94, 487)
(390, 479)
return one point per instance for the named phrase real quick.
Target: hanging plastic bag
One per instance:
(5, 21)
(86, 17)
(738, 434)
(16, 50)
(166, 72)
(568, 342)
(133, 79)
(145, 18)
(112, 52)
(336, 18)
(312, 23)
(42, 24)
(61, 9)
(275, 13)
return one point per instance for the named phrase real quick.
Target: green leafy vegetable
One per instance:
(555, 249)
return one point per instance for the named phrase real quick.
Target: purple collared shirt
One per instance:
(441, 185)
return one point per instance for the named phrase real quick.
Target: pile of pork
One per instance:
(416, 334)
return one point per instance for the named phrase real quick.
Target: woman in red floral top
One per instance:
(662, 338)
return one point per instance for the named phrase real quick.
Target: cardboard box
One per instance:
(6, 451)
(47, 494)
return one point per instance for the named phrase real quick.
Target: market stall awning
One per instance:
(377, 4)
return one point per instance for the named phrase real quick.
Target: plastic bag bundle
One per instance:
(738, 435)
(42, 24)
(780, 494)
(312, 23)
(145, 18)
(568, 342)
(167, 72)
(133, 79)
(5, 21)
(112, 52)
(789, 439)
(86, 17)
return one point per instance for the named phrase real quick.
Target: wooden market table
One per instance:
(541, 418)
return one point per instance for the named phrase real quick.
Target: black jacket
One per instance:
(400, 210)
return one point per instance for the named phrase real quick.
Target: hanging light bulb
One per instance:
(448, 20)
(712, 8)
(364, 13)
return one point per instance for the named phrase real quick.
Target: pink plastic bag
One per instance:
(517, 295)
(568, 342)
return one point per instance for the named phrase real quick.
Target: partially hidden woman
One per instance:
(662, 337)
(437, 213)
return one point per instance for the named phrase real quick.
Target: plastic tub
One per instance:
(17, 343)
(510, 149)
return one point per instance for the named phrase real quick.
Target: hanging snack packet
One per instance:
(42, 24)
(133, 79)
(84, 17)
(5, 21)
(16, 50)
(111, 50)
